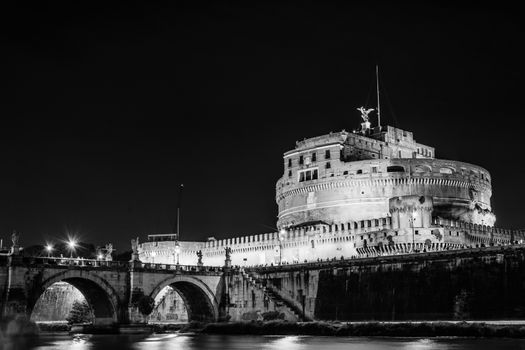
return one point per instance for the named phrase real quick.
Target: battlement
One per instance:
(482, 234)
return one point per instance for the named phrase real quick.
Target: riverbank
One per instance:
(368, 329)
(59, 326)
(327, 328)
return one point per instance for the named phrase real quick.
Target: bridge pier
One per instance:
(15, 297)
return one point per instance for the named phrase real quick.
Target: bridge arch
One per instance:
(99, 294)
(201, 303)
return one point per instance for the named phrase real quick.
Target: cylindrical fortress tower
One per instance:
(349, 176)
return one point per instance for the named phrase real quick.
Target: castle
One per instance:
(374, 191)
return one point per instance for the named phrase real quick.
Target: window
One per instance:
(307, 175)
(360, 171)
(301, 160)
(374, 169)
(400, 154)
(345, 172)
(314, 157)
(289, 162)
(328, 166)
(327, 154)
(289, 173)
(395, 169)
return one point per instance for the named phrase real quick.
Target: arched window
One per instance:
(422, 169)
(447, 171)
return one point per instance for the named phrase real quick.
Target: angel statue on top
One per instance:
(365, 112)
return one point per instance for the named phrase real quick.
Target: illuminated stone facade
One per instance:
(348, 194)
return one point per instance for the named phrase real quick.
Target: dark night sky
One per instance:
(107, 109)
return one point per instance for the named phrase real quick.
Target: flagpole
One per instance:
(178, 211)
(378, 105)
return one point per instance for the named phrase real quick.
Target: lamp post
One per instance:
(49, 249)
(71, 245)
(282, 234)
(412, 219)
(177, 251)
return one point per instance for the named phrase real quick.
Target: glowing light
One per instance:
(71, 243)
(100, 256)
(49, 248)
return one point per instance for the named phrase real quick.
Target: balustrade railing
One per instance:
(93, 263)
(182, 268)
(81, 262)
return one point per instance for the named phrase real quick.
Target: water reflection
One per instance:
(215, 342)
(281, 343)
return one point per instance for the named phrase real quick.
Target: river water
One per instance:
(237, 342)
(233, 342)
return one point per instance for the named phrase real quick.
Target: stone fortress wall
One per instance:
(385, 235)
(352, 194)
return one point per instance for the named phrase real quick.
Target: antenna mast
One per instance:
(378, 105)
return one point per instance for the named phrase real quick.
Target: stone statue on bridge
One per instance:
(199, 256)
(109, 250)
(135, 249)
(15, 237)
(135, 245)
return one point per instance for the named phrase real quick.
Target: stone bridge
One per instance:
(478, 284)
(113, 289)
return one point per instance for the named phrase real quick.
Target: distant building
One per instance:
(363, 193)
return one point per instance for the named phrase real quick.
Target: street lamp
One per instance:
(414, 216)
(177, 251)
(71, 244)
(49, 249)
(282, 234)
